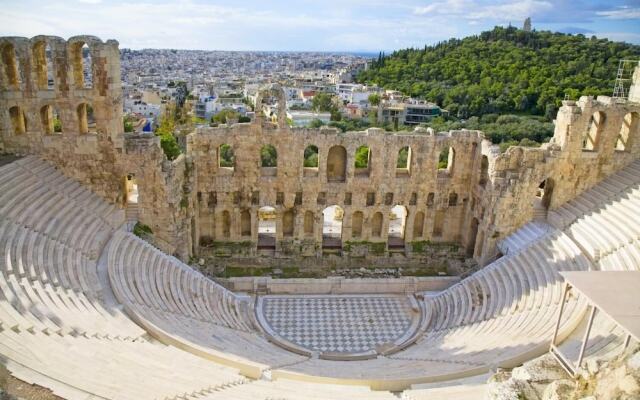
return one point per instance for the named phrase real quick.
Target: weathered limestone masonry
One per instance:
(42, 79)
(197, 207)
(480, 198)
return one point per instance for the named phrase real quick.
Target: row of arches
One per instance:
(332, 225)
(591, 137)
(336, 160)
(45, 63)
(51, 119)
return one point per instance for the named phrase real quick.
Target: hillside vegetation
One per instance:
(506, 70)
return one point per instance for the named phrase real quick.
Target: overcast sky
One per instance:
(325, 25)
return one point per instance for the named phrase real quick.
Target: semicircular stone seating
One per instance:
(92, 311)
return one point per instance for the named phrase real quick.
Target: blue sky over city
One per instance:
(328, 25)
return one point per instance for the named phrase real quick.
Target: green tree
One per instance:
(374, 99)
(323, 102)
(227, 158)
(227, 113)
(362, 157)
(316, 123)
(311, 157)
(268, 156)
(403, 157)
(166, 131)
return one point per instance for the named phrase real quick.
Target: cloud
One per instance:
(476, 10)
(622, 12)
(367, 25)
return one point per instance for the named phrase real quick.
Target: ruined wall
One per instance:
(223, 194)
(196, 206)
(44, 79)
(479, 199)
(593, 138)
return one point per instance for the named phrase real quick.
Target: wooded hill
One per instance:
(505, 70)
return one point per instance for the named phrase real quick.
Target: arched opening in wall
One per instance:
(332, 227)
(308, 223)
(397, 225)
(376, 225)
(11, 66)
(438, 223)
(226, 224)
(82, 65)
(268, 160)
(310, 162)
(50, 118)
(356, 224)
(131, 189)
(336, 164)
(542, 199)
(446, 159)
(628, 130)
(266, 227)
(473, 233)
(18, 120)
(453, 199)
(418, 225)
(403, 164)
(288, 223)
(226, 157)
(484, 171)
(362, 161)
(86, 119)
(43, 65)
(592, 134)
(245, 223)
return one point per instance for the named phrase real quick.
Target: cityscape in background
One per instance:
(210, 82)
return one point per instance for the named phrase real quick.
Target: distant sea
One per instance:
(367, 54)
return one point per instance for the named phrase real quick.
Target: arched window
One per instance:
(308, 223)
(82, 65)
(403, 163)
(311, 157)
(362, 161)
(397, 225)
(268, 156)
(266, 227)
(11, 67)
(336, 164)
(43, 65)
(453, 199)
(332, 227)
(418, 225)
(376, 225)
(484, 171)
(226, 158)
(447, 159)
(18, 120)
(86, 120)
(245, 223)
(288, 223)
(226, 224)
(356, 224)
(50, 119)
(628, 129)
(592, 134)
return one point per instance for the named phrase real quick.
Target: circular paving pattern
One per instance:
(338, 323)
